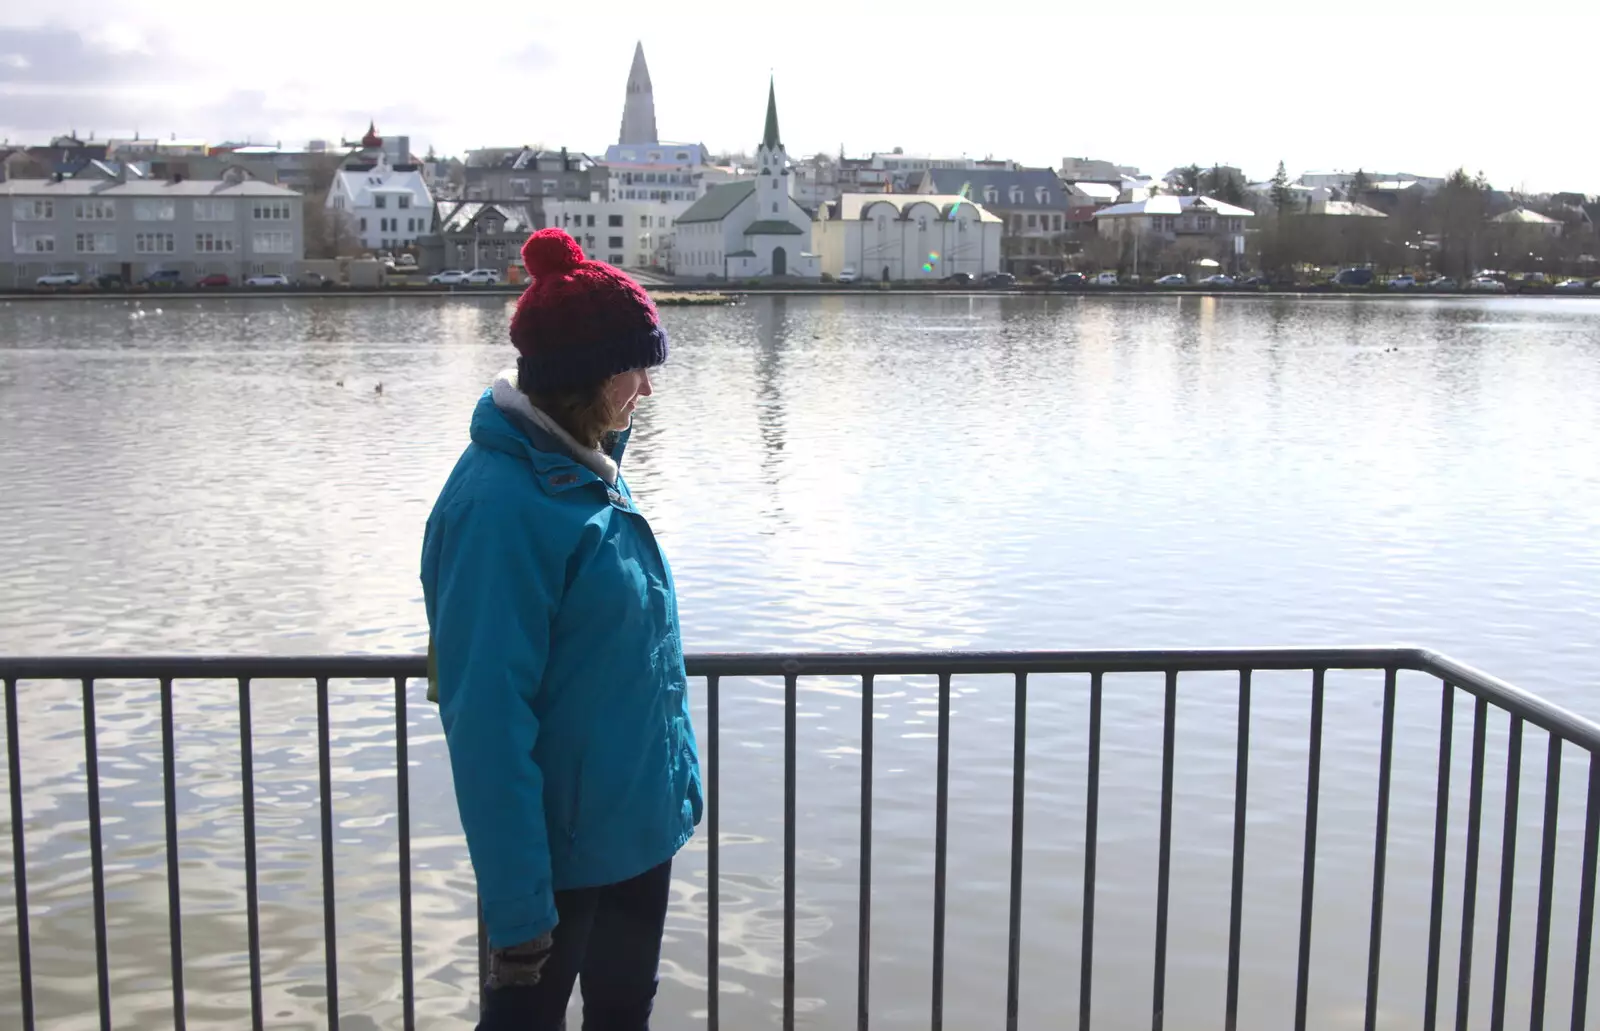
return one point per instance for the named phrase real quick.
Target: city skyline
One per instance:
(1135, 89)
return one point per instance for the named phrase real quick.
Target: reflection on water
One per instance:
(827, 473)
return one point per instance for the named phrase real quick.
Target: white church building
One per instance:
(750, 229)
(388, 204)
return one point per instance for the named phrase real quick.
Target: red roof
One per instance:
(372, 141)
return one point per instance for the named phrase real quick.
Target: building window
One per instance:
(33, 210)
(277, 241)
(34, 243)
(380, 201)
(95, 211)
(1016, 195)
(213, 210)
(405, 201)
(1016, 223)
(614, 241)
(363, 225)
(274, 210)
(1033, 221)
(96, 243)
(154, 243)
(922, 223)
(590, 223)
(154, 210)
(1056, 220)
(615, 259)
(644, 221)
(213, 243)
(1203, 223)
(615, 222)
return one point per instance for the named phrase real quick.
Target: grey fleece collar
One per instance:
(509, 397)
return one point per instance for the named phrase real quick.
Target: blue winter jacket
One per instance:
(559, 672)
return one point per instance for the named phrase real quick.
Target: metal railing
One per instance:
(1563, 729)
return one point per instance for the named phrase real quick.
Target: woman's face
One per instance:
(623, 392)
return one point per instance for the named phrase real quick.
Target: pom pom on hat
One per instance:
(580, 322)
(551, 252)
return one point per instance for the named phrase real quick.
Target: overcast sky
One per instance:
(1501, 88)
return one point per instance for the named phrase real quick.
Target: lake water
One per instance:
(826, 473)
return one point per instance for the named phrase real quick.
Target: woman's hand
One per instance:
(518, 965)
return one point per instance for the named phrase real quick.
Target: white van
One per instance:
(1106, 279)
(848, 274)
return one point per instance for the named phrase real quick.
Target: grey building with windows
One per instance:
(94, 227)
(524, 175)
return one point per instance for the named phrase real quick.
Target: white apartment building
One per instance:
(624, 233)
(388, 205)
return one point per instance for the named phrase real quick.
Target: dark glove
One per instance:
(518, 965)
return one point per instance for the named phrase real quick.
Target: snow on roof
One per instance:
(1170, 205)
(1524, 217)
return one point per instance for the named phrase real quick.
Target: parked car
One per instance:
(1403, 282)
(1254, 282)
(1572, 285)
(957, 279)
(1218, 281)
(1443, 283)
(482, 277)
(1175, 279)
(1353, 277)
(163, 277)
(1071, 280)
(58, 279)
(214, 279)
(271, 279)
(449, 277)
(1535, 279)
(1106, 279)
(314, 279)
(1487, 284)
(110, 281)
(848, 274)
(1000, 280)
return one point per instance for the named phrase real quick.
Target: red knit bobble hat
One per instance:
(580, 322)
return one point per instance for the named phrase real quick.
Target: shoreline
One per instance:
(706, 294)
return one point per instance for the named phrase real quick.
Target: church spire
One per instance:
(639, 108)
(770, 138)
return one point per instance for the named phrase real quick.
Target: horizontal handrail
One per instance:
(1577, 729)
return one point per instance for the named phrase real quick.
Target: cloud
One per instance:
(62, 57)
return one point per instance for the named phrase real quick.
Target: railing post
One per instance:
(1380, 848)
(712, 772)
(1308, 874)
(91, 753)
(864, 889)
(170, 803)
(1241, 795)
(252, 910)
(19, 856)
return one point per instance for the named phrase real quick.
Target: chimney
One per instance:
(566, 166)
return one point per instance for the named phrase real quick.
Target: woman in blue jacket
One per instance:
(556, 658)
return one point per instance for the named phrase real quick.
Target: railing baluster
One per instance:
(1019, 780)
(19, 856)
(1091, 835)
(713, 770)
(169, 780)
(1508, 860)
(1241, 785)
(791, 702)
(483, 954)
(330, 948)
(1469, 889)
(1380, 848)
(1441, 820)
(252, 901)
(941, 830)
(1308, 875)
(864, 891)
(402, 760)
(1164, 859)
(97, 861)
(1547, 872)
(1591, 845)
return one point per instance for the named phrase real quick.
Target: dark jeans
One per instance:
(609, 940)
